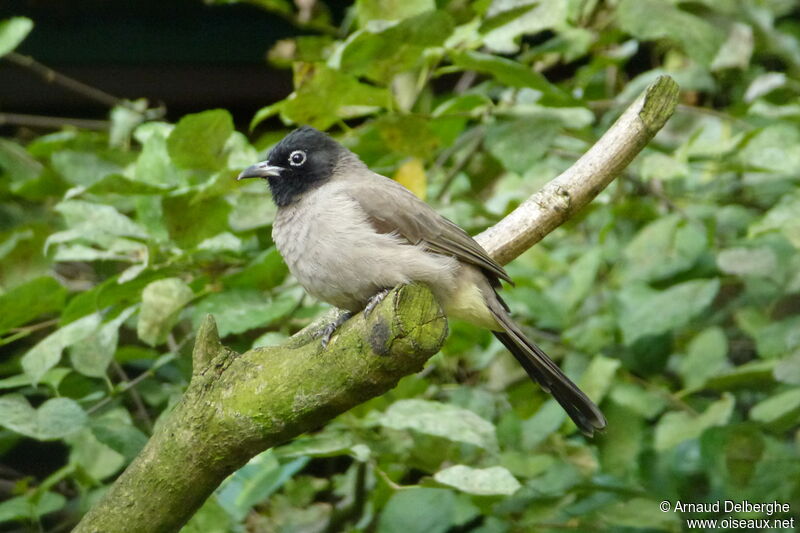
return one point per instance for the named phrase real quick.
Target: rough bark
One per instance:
(238, 405)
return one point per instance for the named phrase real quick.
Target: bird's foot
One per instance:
(327, 332)
(374, 301)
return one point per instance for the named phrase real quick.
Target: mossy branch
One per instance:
(239, 405)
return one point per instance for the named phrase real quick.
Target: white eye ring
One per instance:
(297, 158)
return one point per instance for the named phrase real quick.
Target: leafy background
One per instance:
(672, 299)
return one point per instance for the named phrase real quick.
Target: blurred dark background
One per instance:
(182, 53)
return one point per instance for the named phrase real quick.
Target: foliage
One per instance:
(672, 299)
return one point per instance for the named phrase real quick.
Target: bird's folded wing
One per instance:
(391, 208)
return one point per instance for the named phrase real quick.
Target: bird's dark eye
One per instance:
(297, 158)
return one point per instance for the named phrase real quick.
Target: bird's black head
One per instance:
(304, 159)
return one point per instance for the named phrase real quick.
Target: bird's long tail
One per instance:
(586, 415)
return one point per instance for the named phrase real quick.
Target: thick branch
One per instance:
(238, 405)
(579, 184)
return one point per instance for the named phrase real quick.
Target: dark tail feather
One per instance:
(544, 371)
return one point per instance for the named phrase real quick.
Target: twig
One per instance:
(458, 167)
(62, 80)
(465, 82)
(24, 331)
(39, 121)
(353, 508)
(386, 479)
(141, 410)
(150, 372)
(473, 137)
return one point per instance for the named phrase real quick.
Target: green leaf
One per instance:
(750, 374)
(644, 311)
(391, 9)
(31, 507)
(774, 339)
(126, 117)
(212, 517)
(622, 441)
(323, 96)
(657, 19)
(582, 274)
(423, 510)
(326, 444)
(119, 184)
(783, 218)
(509, 72)
(441, 420)
(494, 480)
(676, 427)
(658, 166)
(54, 419)
(95, 223)
(381, 50)
(266, 271)
(501, 34)
(12, 32)
(544, 423)
(782, 406)
(667, 246)
(737, 49)
(255, 482)
(154, 165)
(407, 135)
(504, 138)
(119, 435)
(251, 210)
(760, 262)
(707, 357)
(162, 301)
(25, 302)
(95, 459)
(109, 293)
(52, 378)
(732, 455)
(18, 164)
(190, 220)
(83, 168)
(776, 149)
(240, 310)
(598, 377)
(47, 353)
(787, 370)
(91, 355)
(198, 140)
(647, 402)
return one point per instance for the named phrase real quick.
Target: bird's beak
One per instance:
(260, 170)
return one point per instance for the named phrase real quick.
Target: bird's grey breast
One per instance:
(339, 257)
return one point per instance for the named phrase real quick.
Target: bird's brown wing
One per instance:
(391, 208)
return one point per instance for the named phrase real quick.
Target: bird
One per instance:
(349, 235)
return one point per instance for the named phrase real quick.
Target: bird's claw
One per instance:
(374, 301)
(327, 332)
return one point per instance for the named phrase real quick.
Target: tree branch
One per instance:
(39, 121)
(238, 405)
(51, 76)
(569, 192)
